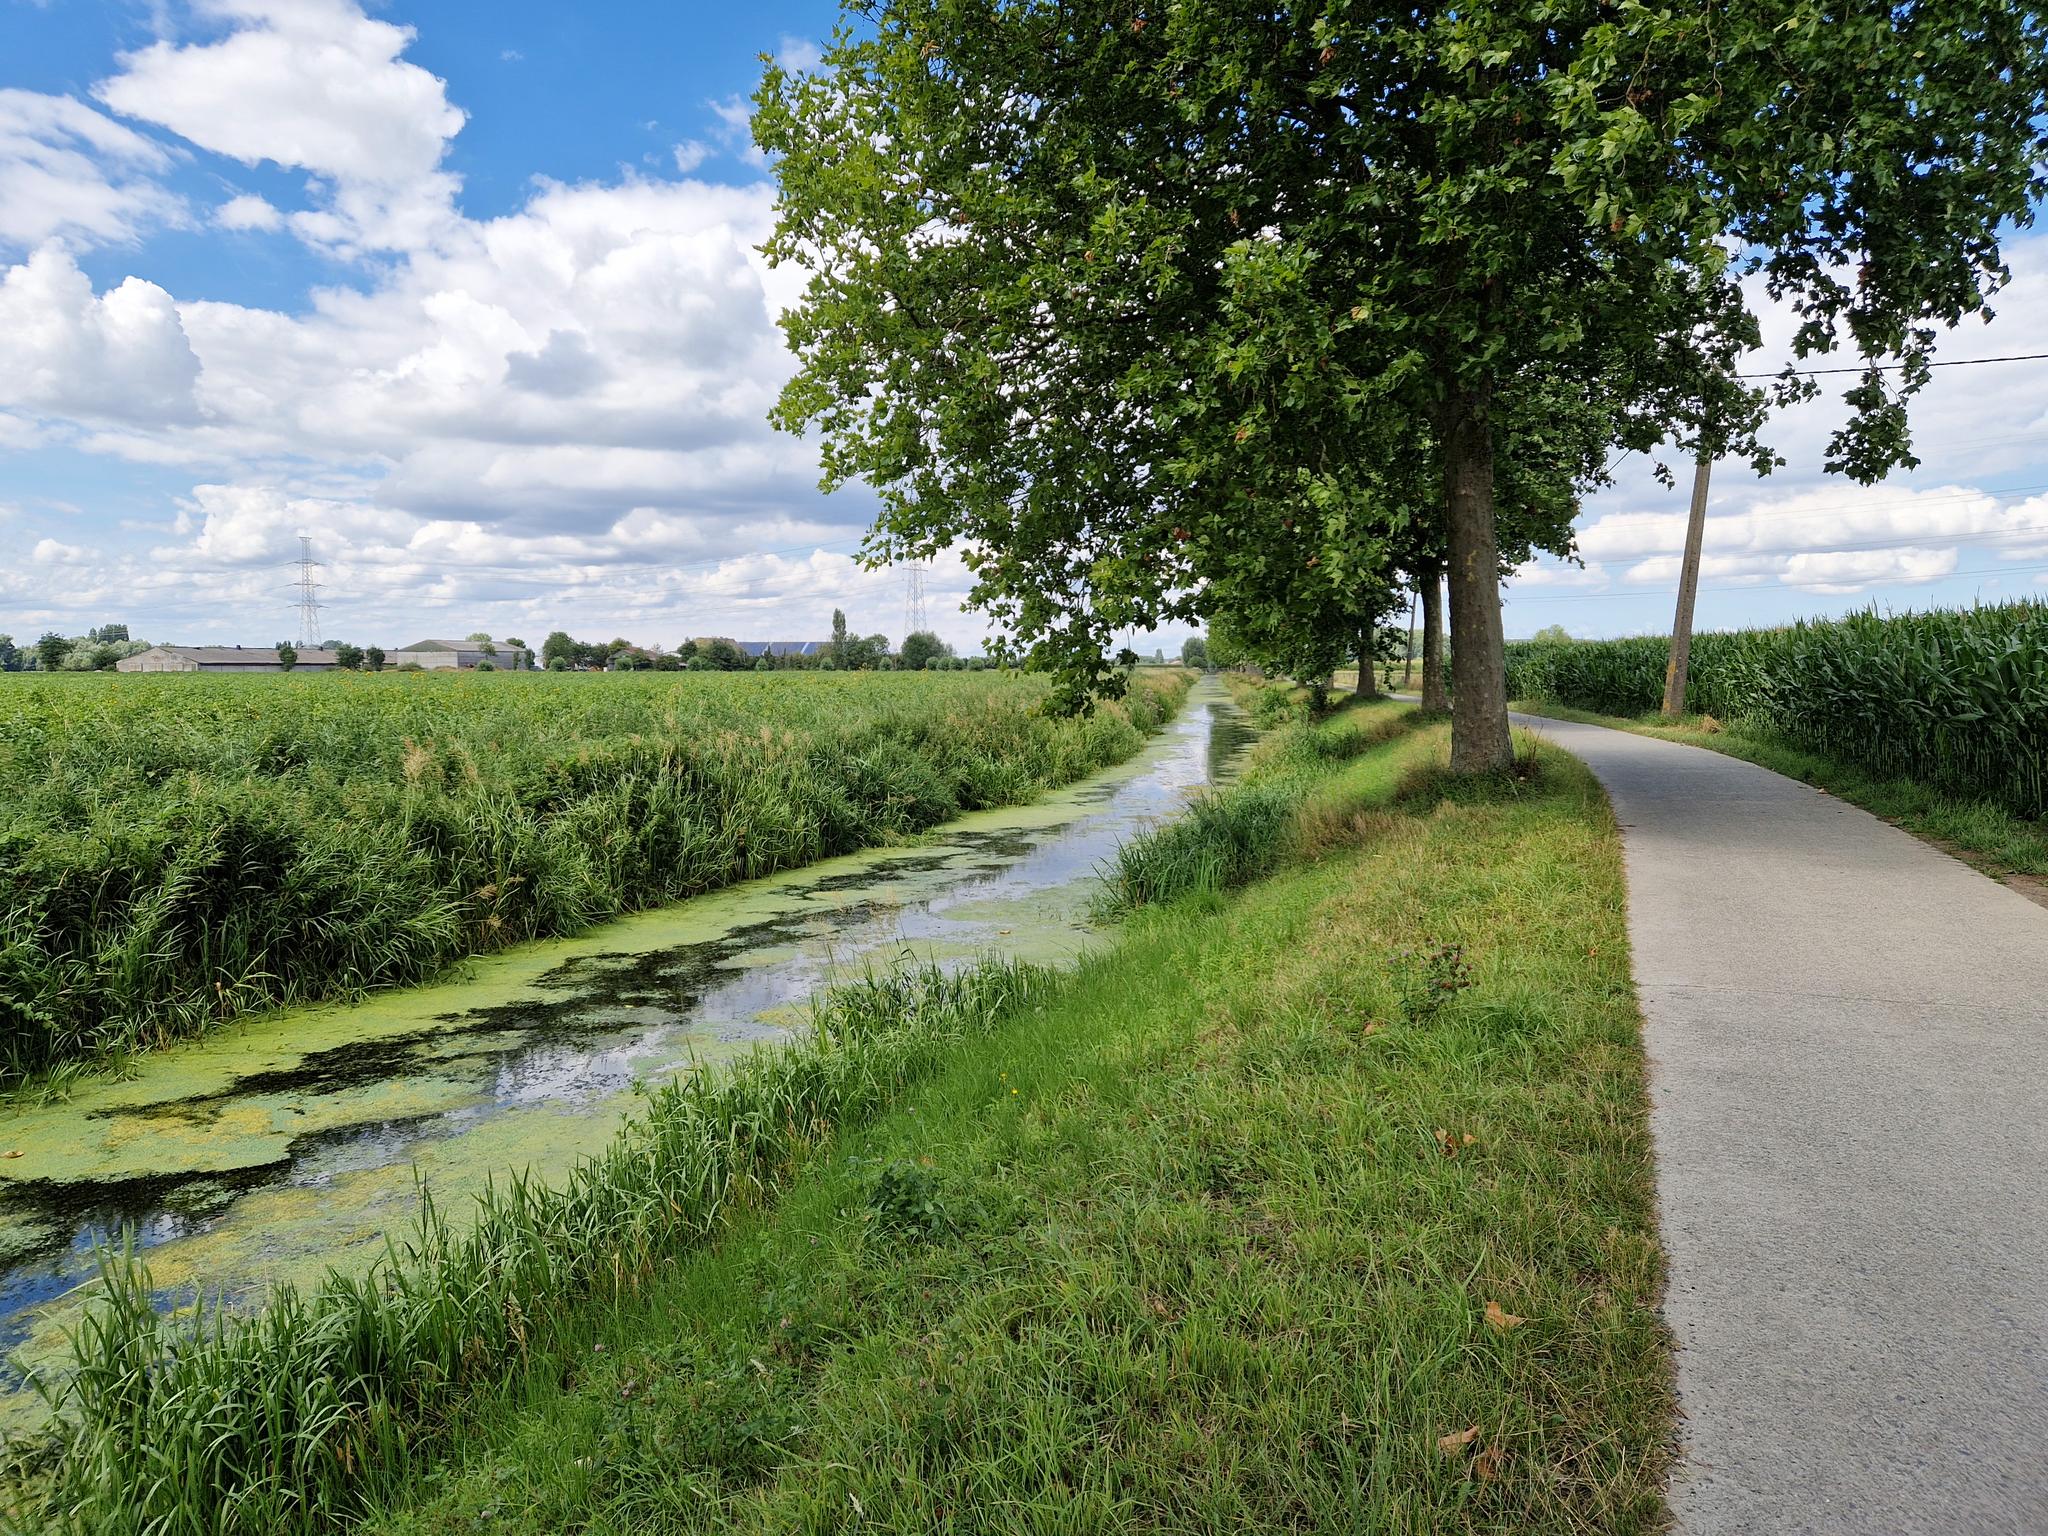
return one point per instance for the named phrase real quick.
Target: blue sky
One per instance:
(469, 294)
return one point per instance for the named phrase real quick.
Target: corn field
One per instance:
(1956, 698)
(176, 851)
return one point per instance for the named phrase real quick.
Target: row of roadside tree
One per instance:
(1259, 315)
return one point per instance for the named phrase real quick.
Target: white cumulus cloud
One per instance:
(118, 356)
(248, 212)
(313, 85)
(69, 171)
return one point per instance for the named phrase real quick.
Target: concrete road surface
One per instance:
(1848, 1042)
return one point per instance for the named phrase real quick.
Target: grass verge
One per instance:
(1981, 832)
(1322, 1207)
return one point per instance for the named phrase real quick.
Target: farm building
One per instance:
(220, 658)
(760, 648)
(441, 655)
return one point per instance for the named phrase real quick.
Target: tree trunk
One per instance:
(1435, 699)
(1368, 684)
(1479, 701)
(1408, 661)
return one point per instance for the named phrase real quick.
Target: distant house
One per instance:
(446, 655)
(221, 658)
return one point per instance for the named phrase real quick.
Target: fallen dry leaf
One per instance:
(15, 1153)
(1500, 1319)
(1372, 1027)
(1487, 1464)
(1456, 1441)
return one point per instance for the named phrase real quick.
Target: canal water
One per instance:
(297, 1140)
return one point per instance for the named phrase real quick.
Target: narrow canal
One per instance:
(299, 1140)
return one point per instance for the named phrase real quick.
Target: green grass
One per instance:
(1980, 830)
(176, 851)
(1202, 1238)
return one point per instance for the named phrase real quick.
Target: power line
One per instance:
(1924, 499)
(1900, 541)
(1961, 362)
(1760, 586)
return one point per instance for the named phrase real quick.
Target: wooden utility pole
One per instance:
(1679, 669)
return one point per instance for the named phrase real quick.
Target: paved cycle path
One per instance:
(1848, 1043)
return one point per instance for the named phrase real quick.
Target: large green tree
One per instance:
(920, 648)
(1115, 291)
(51, 650)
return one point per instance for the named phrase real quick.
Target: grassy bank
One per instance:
(1982, 831)
(300, 1417)
(1325, 1207)
(175, 851)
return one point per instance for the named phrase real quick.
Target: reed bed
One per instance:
(303, 1417)
(176, 851)
(1956, 699)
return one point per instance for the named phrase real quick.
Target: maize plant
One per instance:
(1955, 698)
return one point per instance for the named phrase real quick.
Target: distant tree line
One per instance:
(921, 651)
(94, 651)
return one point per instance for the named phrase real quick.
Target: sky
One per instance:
(471, 295)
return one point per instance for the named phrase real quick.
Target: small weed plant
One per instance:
(1429, 978)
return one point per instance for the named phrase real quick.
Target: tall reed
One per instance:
(175, 851)
(302, 1417)
(1955, 698)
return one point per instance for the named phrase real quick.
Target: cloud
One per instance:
(1554, 573)
(248, 212)
(690, 154)
(1837, 538)
(121, 356)
(799, 53)
(69, 172)
(734, 112)
(50, 552)
(313, 85)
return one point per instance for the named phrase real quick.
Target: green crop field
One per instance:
(179, 850)
(1955, 699)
